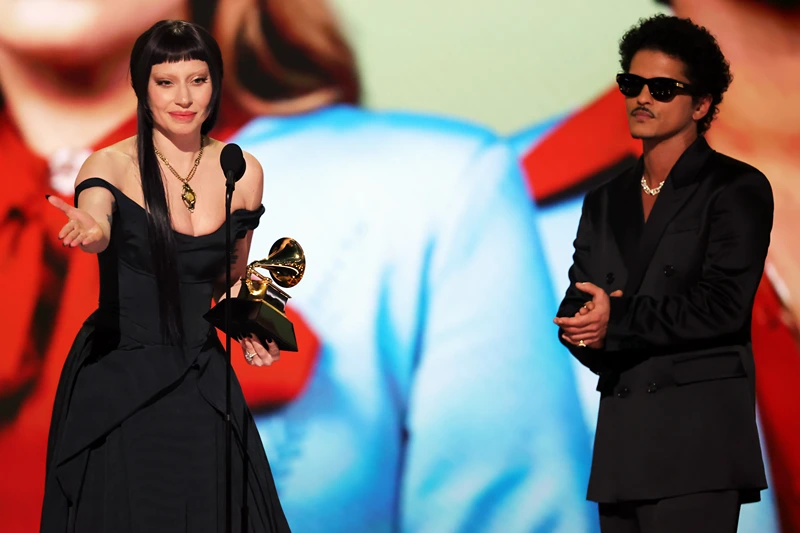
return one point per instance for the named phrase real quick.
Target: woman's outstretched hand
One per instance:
(81, 230)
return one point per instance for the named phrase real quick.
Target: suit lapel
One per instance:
(626, 215)
(681, 183)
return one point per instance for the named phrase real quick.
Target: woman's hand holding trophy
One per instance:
(260, 306)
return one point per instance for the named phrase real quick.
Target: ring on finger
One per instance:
(581, 343)
(249, 356)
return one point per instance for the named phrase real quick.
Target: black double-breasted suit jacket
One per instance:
(676, 376)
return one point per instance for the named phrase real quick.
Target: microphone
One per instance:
(232, 162)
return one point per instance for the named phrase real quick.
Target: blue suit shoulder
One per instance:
(419, 122)
(414, 153)
(352, 121)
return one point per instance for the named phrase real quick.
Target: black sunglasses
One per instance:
(661, 89)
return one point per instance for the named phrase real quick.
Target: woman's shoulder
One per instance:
(253, 165)
(252, 182)
(214, 149)
(112, 163)
(250, 187)
(253, 170)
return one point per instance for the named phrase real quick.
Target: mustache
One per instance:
(641, 108)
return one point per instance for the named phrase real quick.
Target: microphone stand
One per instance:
(230, 184)
(233, 166)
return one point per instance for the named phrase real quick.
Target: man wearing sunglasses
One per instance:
(760, 124)
(668, 257)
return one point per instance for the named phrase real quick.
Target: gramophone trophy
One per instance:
(260, 306)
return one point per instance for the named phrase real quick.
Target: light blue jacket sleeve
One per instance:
(496, 437)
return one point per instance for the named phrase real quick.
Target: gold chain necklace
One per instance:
(654, 191)
(188, 195)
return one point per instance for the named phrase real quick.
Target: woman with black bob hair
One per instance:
(137, 437)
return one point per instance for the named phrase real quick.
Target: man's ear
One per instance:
(702, 105)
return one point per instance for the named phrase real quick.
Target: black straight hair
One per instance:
(167, 41)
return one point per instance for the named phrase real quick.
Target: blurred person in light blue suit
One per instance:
(439, 401)
(428, 394)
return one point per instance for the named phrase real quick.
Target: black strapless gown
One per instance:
(137, 438)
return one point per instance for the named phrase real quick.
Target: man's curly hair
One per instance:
(775, 3)
(705, 66)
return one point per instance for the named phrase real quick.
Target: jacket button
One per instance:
(610, 278)
(624, 391)
(669, 270)
(652, 387)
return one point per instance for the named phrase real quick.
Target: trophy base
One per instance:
(255, 317)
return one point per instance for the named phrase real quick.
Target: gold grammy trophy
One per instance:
(260, 306)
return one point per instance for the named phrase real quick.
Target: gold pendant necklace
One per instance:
(188, 195)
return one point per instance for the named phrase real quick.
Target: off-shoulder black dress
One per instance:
(137, 438)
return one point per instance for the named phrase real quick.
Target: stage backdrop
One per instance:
(430, 393)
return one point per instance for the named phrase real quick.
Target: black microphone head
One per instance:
(232, 162)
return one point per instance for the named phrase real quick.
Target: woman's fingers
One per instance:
(81, 230)
(263, 352)
(73, 238)
(60, 204)
(272, 348)
(268, 353)
(258, 354)
(68, 228)
(250, 353)
(73, 234)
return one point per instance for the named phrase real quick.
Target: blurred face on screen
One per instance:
(79, 30)
(761, 39)
(779, 4)
(759, 120)
(653, 118)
